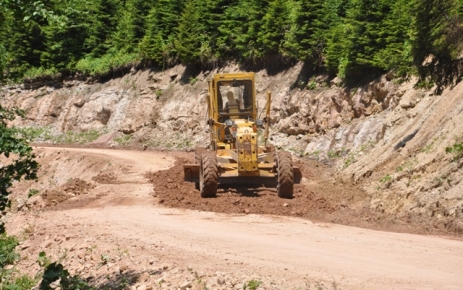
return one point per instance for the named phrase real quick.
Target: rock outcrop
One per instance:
(360, 130)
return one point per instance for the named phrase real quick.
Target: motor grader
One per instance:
(234, 156)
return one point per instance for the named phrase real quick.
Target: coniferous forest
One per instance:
(351, 39)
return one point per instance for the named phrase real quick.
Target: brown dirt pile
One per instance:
(105, 178)
(320, 197)
(173, 192)
(72, 188)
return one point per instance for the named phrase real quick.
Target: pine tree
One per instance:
(275, 23)
(305, 39)
(396, 35)
(240, 27)
(213, 18)
(23, 43)
(65, 41)
(102, 22)
(161, 22)
(336, 36)
(191, 33)
(438, 41)
(131, 27)
(438, 29)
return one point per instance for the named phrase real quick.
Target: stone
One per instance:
(143, 277)
(127, 130)
(336, 81)
(220, 281)
(186, 285)
(79, 103)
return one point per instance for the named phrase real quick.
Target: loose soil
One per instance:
(126, 218)
(319, 197)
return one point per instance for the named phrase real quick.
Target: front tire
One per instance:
(208, 175)
(285, 174)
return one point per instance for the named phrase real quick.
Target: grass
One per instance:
(315, 153)
(32, 192)
(456, 150)
(192, 80)
(338, 153)
(123, 140)
(72, 137)
(10, 278)
(386, 180)
(33, 73)
(427, 148)
(312, 85)
(44, 134)
(105, 64)
(252, 285)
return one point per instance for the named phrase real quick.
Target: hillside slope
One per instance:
(387, 137)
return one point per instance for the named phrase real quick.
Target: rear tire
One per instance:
(285, 174)
(208, 175)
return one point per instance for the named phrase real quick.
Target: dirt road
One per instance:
(118, 227)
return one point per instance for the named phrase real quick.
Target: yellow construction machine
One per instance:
(234, 156)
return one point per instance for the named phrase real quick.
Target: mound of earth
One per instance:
(105, 178)
(73, 187)
(173, 192)
(319, 197)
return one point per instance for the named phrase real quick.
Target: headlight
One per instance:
(229, 123)
(259, 123)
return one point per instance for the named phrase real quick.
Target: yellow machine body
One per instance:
(235, 133)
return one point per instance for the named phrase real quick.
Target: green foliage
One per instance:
(19, 154)
(10, 278)
(35, 72)
(305, 38)
(158, 41)
(23, 43)
(274, 25)
(191, 40)
(456, 150)
(3, 61)
(7, 254)
(353, 39)
(240, 27)
(55, 271)
(32, 192)
(71, 137)
(123, 140)
(105, 64)
(65, 43)
(101, 25)
(312, 85)
(252, 285)
(385, 179)
(437, 40)
(192, 80)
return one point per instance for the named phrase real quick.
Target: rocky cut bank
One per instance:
(401, 144)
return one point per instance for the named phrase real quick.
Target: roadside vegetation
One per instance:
(351, 39)
(45, 134)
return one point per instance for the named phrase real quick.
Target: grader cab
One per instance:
(234, 156)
